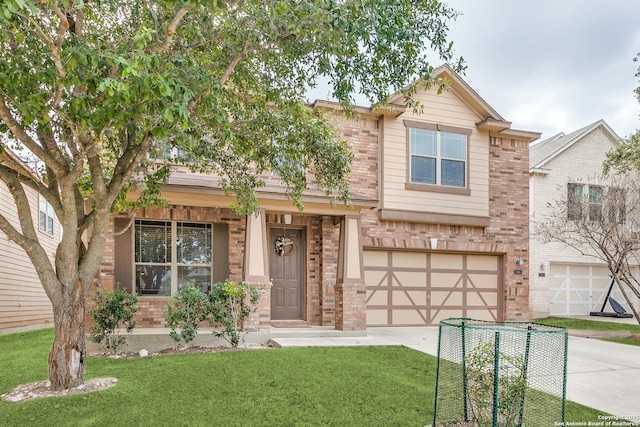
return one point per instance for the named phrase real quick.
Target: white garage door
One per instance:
(417, 288)
(578, 289)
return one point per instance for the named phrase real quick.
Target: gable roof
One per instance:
(490, 120)
(540, 153)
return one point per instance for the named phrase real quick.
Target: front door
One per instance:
(286, 265)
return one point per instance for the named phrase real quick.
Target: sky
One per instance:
(550, 66)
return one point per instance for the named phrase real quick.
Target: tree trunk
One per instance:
(66, 360)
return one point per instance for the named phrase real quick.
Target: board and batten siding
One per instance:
(23, 302)
(444, 109)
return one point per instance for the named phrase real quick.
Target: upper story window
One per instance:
(438, 155)
(595, 203)
(46, 216)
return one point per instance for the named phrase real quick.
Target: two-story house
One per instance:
(23, 302)
(438, 227)
(568, 168)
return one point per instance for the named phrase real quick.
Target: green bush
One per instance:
(185, 311)
(112, 311)
(481, 385)
(228, 309)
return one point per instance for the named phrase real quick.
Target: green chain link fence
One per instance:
(500, 374)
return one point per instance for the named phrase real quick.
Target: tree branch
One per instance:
(172, 29)
(28, 238)
(234, 62)
(55, 49)
(17, 130)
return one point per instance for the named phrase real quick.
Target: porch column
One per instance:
(256, 270)
(350, 289)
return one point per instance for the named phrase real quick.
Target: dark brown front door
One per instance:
(286, 254)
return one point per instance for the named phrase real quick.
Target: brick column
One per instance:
(350, 290)
(256, 270)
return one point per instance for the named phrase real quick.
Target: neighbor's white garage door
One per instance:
(418, 288)
(578, 289)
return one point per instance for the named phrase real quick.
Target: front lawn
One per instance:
(595, 325)
(340, 386)
(591, 325)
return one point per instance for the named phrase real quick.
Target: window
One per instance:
(574, 201)
(169, 255)
(595, 203)
(46, 216)
(592, 202)
(437, 157)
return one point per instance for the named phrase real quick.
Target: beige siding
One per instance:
(446, 109)
(23, 302)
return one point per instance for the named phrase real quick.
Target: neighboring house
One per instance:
(563, 282)
(23, 302)
(438, 227)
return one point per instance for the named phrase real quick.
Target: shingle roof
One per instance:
(543, 151)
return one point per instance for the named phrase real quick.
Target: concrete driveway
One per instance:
(601, 374)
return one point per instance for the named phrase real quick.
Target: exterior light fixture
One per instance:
(519, 261)
(433, 243)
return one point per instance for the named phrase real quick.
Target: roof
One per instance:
(490, 120)
(540, 153)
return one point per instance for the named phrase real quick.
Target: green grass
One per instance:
(591, 325)
(357, 386)
(595, 325)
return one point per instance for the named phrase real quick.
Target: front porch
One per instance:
(316, 278)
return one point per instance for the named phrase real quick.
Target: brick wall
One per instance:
(506, 235)
(151, 309)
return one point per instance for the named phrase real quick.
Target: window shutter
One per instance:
(220, 252)
(123, 255)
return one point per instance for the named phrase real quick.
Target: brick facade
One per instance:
(343, 305)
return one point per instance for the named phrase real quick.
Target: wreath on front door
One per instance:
(282, 243)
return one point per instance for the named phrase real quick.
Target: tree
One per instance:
(91, 91)
(599, 220)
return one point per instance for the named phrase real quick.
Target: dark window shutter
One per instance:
(220, 252)
(124, 255)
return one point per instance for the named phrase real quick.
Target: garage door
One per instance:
(578, 289)
(417, 288)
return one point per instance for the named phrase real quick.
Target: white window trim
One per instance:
(45, 207)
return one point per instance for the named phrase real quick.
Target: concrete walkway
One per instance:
(601, 375)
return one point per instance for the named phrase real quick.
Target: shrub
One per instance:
(112, 311)
(185, 311)
(228, 308)
(481, 382)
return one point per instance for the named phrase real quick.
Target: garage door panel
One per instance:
(423, 288)
(407, 298)
(377, 298)
(448, 280)
(409, 259)
(482, 262)
(410, 279)
(442, 298)
(483, 314)
(578, 289)
(483, 280)
(377, 317)
(375, 258)
(446, 261)
(439, 315)
(375, 278)
(409, 317)
(482, 298)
